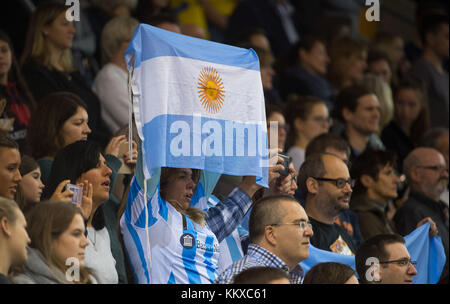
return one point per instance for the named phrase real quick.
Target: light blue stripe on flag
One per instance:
(150, 42)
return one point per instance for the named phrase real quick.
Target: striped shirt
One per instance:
(181, 251)
(256, 257)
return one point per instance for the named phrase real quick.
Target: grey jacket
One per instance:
(37, 271)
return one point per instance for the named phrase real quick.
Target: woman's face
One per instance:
(60, 32)
(278, 118)
(385, 187)
(317, 122)
(9, 172)
(99, 177)
(72, 242)
(316, 59)
(407, 106)
(32, 186)
(5, 59)
(180, 188)
(76, 127)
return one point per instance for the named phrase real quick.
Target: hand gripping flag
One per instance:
(197, 104)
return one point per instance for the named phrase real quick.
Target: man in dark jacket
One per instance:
(427, 175)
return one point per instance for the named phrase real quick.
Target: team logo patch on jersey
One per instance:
(187, 240)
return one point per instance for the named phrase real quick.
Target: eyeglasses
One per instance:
(435, 168)
(401, 262)
(301, 224)
(322, 120)
(340, 182)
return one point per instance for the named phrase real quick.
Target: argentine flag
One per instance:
(197, 104)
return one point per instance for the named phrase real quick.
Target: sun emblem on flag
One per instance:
(210, 89)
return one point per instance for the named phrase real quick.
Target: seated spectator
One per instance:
(434, 33)
(307, 118)
(13, 238)
(331, 144)
(348, 62)
(277, 19)
(31, 187)
(438, 138)
(111, 83)
(56, 231)
(60, 120)
(256, 37)
(47, 64)
(375, 188)
(262, 275)
(330, 273)
(411, 119)
(393, 46)
(359, 109)
(306, 74)
(384, 259)
(16, 101)
(383, 91)
(9, 167)
(379, 63)
(83, 162)
(275, 117)
(326, 185)
(280, 234)
(427, 175)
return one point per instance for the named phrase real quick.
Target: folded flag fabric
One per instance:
(197, 104)
(427, 252)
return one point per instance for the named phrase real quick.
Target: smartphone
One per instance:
(286, 162)
(77, 193)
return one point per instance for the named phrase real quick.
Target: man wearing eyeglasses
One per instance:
(326, 185)
(280, 235)
(427, 175)
(384, 259)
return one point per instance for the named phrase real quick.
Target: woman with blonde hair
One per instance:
(47, 63)
(384, 94)
(57, 245)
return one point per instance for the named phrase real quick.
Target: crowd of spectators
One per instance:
(364, 119)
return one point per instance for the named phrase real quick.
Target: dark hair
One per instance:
(15, 74)
(431, 138)
(44, 132)
(348, 99)
(431, 23)
(6, 142)
(70, 163)
(266, 211)
(260, 275)
(377, 55)
(422, 122)
(162, 17)
(313, 166)
(246, 35)
(271, 108)
(306, 43)
(328, 273)
(299, 107)
(370, 163)
(324, 141)
(374, 247)
(27, 165)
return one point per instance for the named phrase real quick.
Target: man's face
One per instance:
(397, 272)
(432, 175)
(366, 116)
(292, 241)
(439, 42)
(329, 196)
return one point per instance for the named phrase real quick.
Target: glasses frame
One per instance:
(300, 224)
(350, 181)
(413, 263)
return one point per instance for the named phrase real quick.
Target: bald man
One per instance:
(427, 174)
(325, 181)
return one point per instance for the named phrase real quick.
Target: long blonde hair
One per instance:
(167, 177)
(36, 48)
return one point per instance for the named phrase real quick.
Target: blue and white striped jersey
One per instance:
(181, 251)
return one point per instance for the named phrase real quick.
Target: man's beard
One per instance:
(333, 206)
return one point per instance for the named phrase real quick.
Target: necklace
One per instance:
(94, 241)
